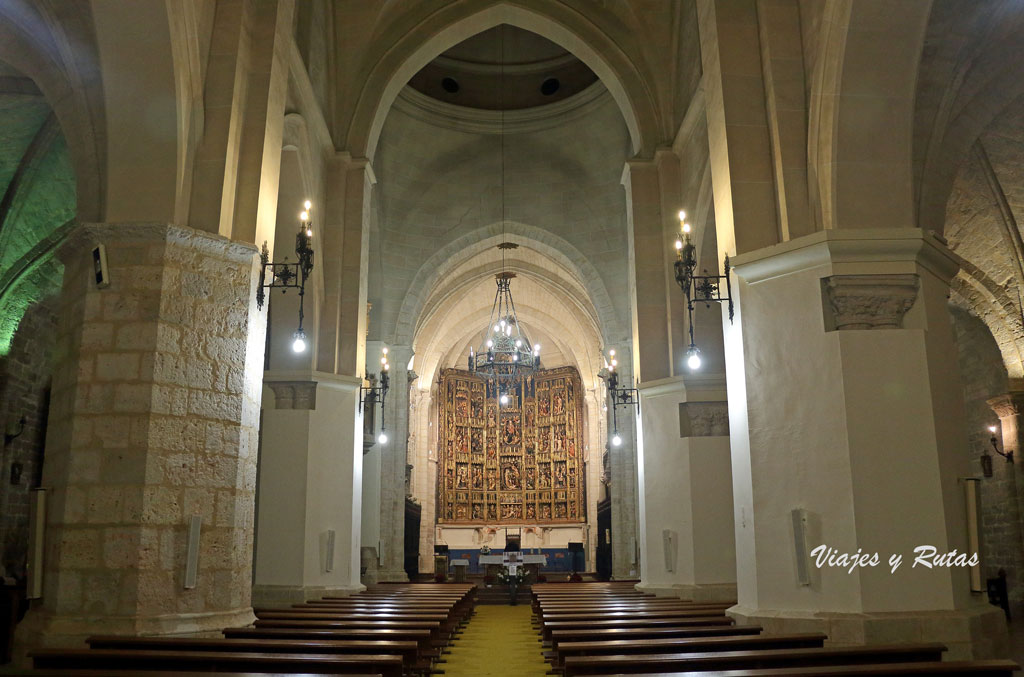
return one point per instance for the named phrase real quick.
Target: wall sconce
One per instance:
(620, 397)
(706, 289)
(986, 458)
(375, 394)
(286, 275)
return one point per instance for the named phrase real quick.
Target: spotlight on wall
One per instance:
(706, 289)
(285, 276)
(986, 458)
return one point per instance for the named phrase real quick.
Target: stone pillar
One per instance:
(153, 421)
(1003, 493)
(687, 516)
(393, 458)
(311, 478)
(424, 460)
(845, 402)
(623, 473)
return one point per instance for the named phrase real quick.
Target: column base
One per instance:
(284, 595)
(384, 576)
(42, 630)
(969, 634)
(708, 592)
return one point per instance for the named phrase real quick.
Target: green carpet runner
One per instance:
(498, 640)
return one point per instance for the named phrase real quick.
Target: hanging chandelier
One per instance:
(506, 353)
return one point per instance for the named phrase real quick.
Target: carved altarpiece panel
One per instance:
(517, 463)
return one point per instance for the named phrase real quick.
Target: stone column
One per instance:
(424, 460)
(311, 478)
(687, 516)
(393, 458)
(845, 402)
(153, 421)
(623, 473)
(1005, 489)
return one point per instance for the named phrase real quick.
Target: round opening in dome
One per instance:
(550, 86)
(450, 85)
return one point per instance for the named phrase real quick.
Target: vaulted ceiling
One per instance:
(37, 199)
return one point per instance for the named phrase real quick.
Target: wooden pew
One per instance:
(216, 661)
(420, 637)
(811, 640)
(989, 668)
(438, 636)
(744, 660)
(600, 623)
(408, 651)
(611, 634)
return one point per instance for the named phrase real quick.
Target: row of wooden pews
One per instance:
(391, 630)
(612, 629)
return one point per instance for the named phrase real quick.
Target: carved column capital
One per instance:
(703, 419)
(294, 394)
(1010, 404)
(868, 301)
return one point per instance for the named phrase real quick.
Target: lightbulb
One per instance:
(992, 429)
(382, 438)
(495, 328)
(308, 205)
(309, 232)
(693, 360)
(299, 344)
(504, 399)
(502, 323)
(616, 440)
(519, 343)
(615, 362)
(536, 347)
(387, 366)
(679, 244)
(682, 215)
(304, 216)
(611, 353)
(515, 357)
(384, 350)
(383, 360)
(490, 343)
(686, 228)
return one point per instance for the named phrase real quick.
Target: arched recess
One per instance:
(458, 251)
(861, 109)
(411, 50)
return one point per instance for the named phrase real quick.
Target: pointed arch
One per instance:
(411, 50)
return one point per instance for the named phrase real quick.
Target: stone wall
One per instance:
(984, 377)
(24, 392)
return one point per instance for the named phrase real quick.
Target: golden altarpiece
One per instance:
(520, 462)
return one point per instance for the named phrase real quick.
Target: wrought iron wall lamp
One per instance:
(285, 275)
